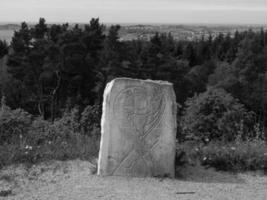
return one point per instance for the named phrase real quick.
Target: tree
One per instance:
(56, 63)
(3, 48)
(216, 115)
(110, 65)
(40, 30)
(190, 54)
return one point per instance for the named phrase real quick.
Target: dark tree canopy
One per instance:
(56, 66)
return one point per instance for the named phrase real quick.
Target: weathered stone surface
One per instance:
(138, 129)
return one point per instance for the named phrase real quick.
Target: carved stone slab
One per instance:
(138, 129)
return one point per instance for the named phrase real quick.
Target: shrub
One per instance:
(90, 120)
(245, 156)
(14, 124)
(39, 131)
(64, 139)
(40, 140)
(216, 115)
(233, 156)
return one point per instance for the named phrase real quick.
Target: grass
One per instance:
(26, 139)
(235, 156)
(78, 146)
(6, 177)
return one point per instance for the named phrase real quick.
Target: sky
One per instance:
(136, 11)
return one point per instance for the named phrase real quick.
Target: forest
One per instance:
(54, 77)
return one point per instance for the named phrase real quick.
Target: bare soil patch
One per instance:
(73, 180)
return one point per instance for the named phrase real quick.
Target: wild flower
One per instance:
(28, 147)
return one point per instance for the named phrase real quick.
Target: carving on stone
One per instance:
(138, 111)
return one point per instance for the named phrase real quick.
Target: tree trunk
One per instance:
(53, 96)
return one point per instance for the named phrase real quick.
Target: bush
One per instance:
(82, 147)
(64, 139)
(216, 115)
(245, 156)
(40, 140)
(90, 120)
(72, 123)
(14, 124)
(234, 156)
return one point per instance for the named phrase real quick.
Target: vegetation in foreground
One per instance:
(26, 139)
(237, 156)
(217, 131)
(52, 80)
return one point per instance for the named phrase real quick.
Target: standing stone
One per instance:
(138, 129)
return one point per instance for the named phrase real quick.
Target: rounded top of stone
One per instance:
(142, 80)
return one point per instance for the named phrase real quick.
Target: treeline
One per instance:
(51, 68)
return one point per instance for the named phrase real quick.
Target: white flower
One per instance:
(28, 147)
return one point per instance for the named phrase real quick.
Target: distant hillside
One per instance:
(7, 31)
(182, 32)
(9, 26)
(141, 31)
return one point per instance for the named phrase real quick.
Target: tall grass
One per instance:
(25, 139)
(236, 156)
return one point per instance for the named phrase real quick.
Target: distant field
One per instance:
(6, 35)
(132, 32)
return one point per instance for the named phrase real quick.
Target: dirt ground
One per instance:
(76, 180)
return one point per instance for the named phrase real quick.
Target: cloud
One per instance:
(135, 10)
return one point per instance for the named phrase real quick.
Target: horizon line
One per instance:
(137, 23)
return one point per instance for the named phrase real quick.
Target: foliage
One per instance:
(55, 64)
(25, 139)
(75, 146)
(14, 124)
(233, 156)
(90, 121)
(245, 156)
(59, 64)
(53, 78)
(216, 115)
(3, 48)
